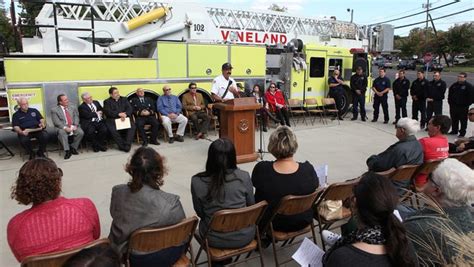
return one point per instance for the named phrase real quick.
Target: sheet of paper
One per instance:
(322, 172)
(309, 254)
(121, 125)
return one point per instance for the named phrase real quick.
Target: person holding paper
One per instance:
(28, 123)
(170, 109)
(118, 110)
(92, 121)
(65, 119)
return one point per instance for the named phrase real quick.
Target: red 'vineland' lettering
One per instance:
(254, 37)
(225, 35)
(248, 37)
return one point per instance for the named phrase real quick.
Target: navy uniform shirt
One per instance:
(437, 90)
(27, 120)
(400, 87)
(333, 80)
(419, 88)
(461, 94)
(381, 84)
(359, 82)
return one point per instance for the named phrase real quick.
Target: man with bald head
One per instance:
(28, 123)
(92, 122)
(170, 109)
(145, 113)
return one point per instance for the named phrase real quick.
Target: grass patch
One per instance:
(459, 69)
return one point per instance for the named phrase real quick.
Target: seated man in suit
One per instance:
(92, 122)
(193, 103)
(118, 107)
(65, 119)
(170, 108)
(28, 123)
(145, 113)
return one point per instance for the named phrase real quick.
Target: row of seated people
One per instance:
(379, 240)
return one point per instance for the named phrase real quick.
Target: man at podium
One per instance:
(224, 87)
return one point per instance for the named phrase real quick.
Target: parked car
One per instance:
(388, 64)
(460, 59)
(434, 66)
(406, 65)
(379, 62)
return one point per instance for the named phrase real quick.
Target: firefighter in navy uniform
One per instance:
(381, 87)
(418, 91)
(336, 91)
(435, 96)
(400, 92)
(460, 96)
(358, 88)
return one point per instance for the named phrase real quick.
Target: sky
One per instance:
(365, 11)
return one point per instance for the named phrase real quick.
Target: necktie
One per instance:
(92, 108)
(141, 100)
(68, 117)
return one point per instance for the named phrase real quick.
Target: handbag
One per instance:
(333, 210)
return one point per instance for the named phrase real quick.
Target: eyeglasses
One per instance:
(192, 88)
(166, 90)
(272, 87)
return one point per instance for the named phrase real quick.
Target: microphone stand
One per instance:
(261, 151)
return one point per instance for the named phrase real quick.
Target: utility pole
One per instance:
(426, 29)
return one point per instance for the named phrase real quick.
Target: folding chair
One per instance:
(329, 106)
(146, 127)
(468, 157)
(155, 239)
(403, 173)
(292, 205)
(312, 108)
(337, 191)
(231, 220)
(295, 107)
(59, 258)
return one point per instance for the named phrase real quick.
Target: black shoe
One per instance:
(74, 151)
(395, 122)
(453, 132)
(67, 154)
(154, 142)
(179, 138)
(40, 154)
(145, 143)
(32, 156)
(363, 119)
(385, 122)
(374, 120)
(354, 119)
(265, 129)
(127, 148)
(426, 129)
(95, 149)
(462, 134)
(340, 118)
(171, 140)
(103, 148)
(422, 126)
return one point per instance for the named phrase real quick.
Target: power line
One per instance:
(452, 14)
(422, 12)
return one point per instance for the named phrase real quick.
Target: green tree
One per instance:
(275, 7)
(6, 30)
(29, 12)
(461, 39)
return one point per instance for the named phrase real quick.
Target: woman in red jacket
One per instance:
(53, 223)
(276, 104)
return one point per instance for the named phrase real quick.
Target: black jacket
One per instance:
(86, 115)
(404, 152)
(437, 90)
(112, 108)
(358, 82)
(138, 106)
(460, 94)
(401, 87)
(419, 88)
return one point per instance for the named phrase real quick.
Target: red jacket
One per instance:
(53, 226)
(272, 99)
(436, 147)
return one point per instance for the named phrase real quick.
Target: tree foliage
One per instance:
(275, 7)
(29, 12)
(7, 37)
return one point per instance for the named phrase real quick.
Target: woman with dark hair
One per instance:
(53, 223)
(98, 256)
(276, 104)
(261, 112)
(222, 186)
(380, 238)
(141, 203)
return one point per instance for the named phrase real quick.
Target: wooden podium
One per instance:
(237, 122)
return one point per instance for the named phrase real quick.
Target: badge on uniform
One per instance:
(463, 87)
(422, 83)
(33, 114)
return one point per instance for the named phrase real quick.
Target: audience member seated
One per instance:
(141, 203)
(276, 103)
(28, 123)
(261, 112)
(94, 257)
(118, 107)
(53, 223)
(462, 144)
(407, 151)
(241, 90)
(275, 179)
(193, 103)
(380, 238)
(222, 186)
(445, 237)
(65, 119)
(145, 113)
(92, 122)
(436, 145)
(170, 109)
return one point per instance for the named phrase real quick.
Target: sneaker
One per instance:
(330, 238)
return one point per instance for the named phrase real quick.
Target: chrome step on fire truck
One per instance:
(90, 45)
